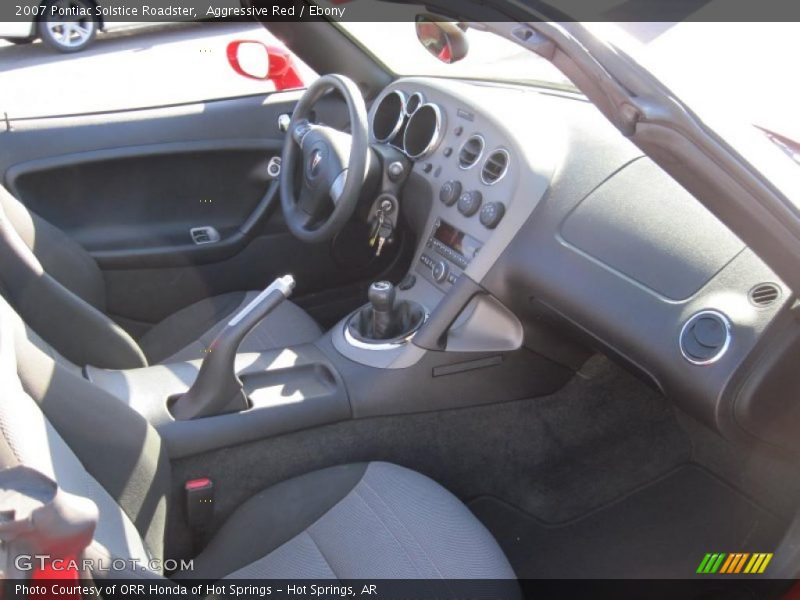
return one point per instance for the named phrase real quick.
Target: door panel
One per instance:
(130, 185)
(135, 204)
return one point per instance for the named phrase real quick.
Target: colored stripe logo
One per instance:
(734, 563)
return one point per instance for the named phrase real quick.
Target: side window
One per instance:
(139, 65)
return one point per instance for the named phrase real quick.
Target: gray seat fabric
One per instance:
(58, 288)
(58, 423)
(374, 520)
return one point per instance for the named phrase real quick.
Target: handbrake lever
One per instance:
(217, 389)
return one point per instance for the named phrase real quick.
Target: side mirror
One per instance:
(445, 40)
(254, 60)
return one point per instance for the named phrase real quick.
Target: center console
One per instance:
(468, 191)
(424, 344)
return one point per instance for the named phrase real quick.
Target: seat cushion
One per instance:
(186, 334)
(362, 521)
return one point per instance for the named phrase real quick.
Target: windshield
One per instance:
(732, 70)
(490, 56)
(705, 63)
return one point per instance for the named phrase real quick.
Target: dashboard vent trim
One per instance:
(471, 151)
(495, 167)
(764, 295)
(705, 346)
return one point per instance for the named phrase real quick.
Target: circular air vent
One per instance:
(764, 294)
(495, 167)
(705, 337)
(471, 151)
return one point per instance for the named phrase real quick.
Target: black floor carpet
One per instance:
(662, 530)
(557, 457)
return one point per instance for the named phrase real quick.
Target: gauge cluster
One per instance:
(408, 123)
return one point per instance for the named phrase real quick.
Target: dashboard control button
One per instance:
(458, 130)
(428, 167)
(469, 202)
(447, 152)
(440, 271)
(491, 214)
(426, 260)
(451, 278)
(449, 192)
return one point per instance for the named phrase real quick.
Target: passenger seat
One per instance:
(360, 521)
(58, 288)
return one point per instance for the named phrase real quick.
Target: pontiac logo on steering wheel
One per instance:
(313, 164)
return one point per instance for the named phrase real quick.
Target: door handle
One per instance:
(204, 235)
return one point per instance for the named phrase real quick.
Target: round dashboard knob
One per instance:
(469, 202)
(440, 271)
(491, 214)
(449, 192)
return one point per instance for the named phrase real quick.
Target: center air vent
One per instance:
(495, 167)
(705, 337)
(764, 295)
(470, 152)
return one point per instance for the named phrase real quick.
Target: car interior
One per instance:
(408, 327)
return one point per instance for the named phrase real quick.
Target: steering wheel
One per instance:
(333, 164)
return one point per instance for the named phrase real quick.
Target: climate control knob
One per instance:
(469, 203)
(440, 271)
(491, 213)
(449, 192)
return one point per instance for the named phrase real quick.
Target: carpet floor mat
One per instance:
(662, 530)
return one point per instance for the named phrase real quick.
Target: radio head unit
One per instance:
(456, 240)
(454, 245)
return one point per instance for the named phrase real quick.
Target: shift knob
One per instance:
(381, 295)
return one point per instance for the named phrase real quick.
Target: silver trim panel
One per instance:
(380, 345)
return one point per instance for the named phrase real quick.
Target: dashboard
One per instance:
(467, 164)
(534, 196)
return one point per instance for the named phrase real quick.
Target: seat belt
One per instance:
(199, 509)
